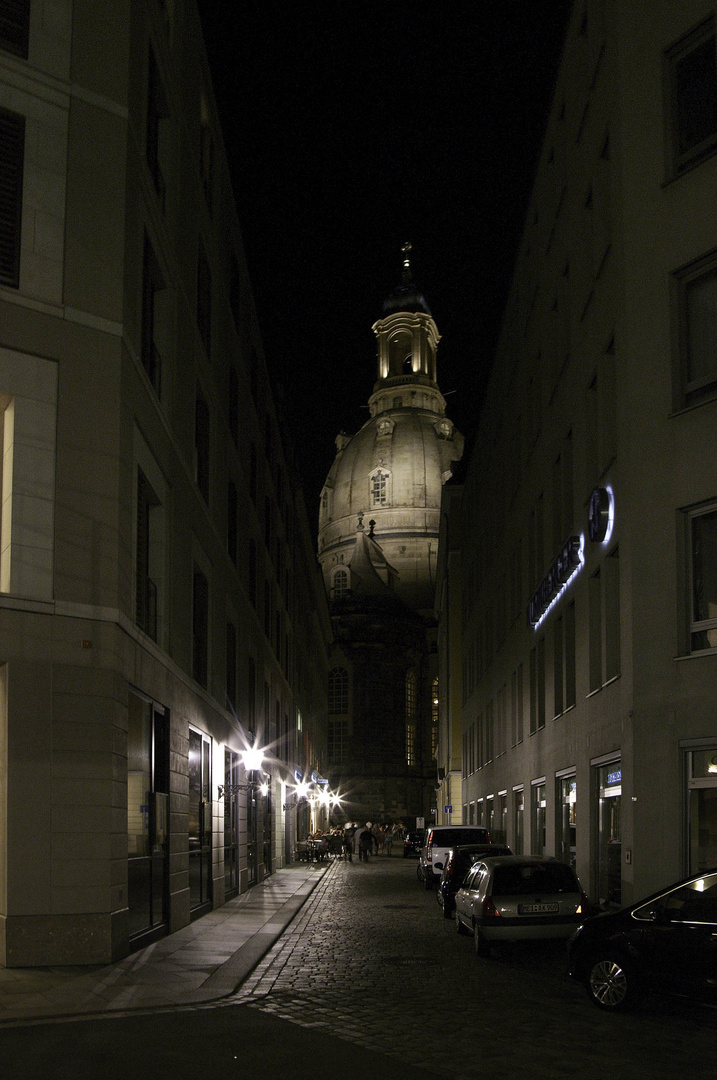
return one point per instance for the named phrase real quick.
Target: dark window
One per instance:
(15, 26)
(338, 690)
(232, 509)
(146, 598)
(548, 878)
(703, 584)
(12, 146)
(204, 301)
(697, 312)
(157, 129)
(231, 665)
(693, 73)
(152, 286)
(201, 445)
(200, 627)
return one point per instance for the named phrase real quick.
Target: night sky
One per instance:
(352, 126)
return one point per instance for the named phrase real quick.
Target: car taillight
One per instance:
(429, 855)
(583, 907)
(489, 910)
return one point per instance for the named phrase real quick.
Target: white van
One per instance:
(439, 840)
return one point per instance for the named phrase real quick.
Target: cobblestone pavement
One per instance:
(371, 960)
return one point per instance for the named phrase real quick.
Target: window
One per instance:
(12, 148)
(338, 741)
(604, 622)
(411, 717)
(696, 288)
(200, 627)
(692, 75)
(340, 583)
(338, 691)
(157, 129)
(201, 445)
(703, 579)
(149, 548)
(154, 316)
(204, 300)
(15, 26)
(379, 488)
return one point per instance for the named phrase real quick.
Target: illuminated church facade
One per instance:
(378, 543)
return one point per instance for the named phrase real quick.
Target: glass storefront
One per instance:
(702, 784)
(200, 823)
(567, 802)
(537, 790)
(518, 820)
(231, 824)
(147, 819)
(609, 854)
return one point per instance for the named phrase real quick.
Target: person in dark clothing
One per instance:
(365, 839)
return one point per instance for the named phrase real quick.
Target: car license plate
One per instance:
(538, 909)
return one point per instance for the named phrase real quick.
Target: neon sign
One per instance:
(569, 561)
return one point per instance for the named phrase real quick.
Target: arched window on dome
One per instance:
(379, 488)
(411, 717)
(340, 583)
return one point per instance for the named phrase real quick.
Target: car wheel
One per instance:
(481, 945)
(461, 928)
(610, 983)
(419, 875)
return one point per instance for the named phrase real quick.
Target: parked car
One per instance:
(439, 840)
(667, 942)
(516, 898)
(413, 842)
(457, 863)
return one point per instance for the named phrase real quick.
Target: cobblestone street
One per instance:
(371, 960)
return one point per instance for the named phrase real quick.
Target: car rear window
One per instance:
(450, 837)
(517, 880)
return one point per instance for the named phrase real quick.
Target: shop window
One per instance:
(567, 807)
(15, 26)
(199, 821)
(702, 824)
(703, 579)
(538, 808)
(12, 150)
(609, 805)
(147, 820)
(518, 821)
(692, 91)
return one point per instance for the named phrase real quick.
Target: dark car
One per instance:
(667, 942)
(457, 864)
(413, 842)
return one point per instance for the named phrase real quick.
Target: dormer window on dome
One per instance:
(379, 487)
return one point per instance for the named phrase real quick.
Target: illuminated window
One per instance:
(379, 488)
(411, 716)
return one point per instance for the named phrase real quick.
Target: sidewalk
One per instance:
(201, 962)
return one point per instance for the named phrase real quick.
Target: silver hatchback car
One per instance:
(517, 898)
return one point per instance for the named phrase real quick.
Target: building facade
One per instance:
(589, 550)
(378, 546)
(161, 611)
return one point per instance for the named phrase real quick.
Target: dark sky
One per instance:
(352, 126)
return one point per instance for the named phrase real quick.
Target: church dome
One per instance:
(389, 475)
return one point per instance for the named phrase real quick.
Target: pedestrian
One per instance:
(365, 837)
(349, 834)
(388, 840)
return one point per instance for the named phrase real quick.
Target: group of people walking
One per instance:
(368, 839)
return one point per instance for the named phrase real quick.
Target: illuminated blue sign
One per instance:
(567, 564)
